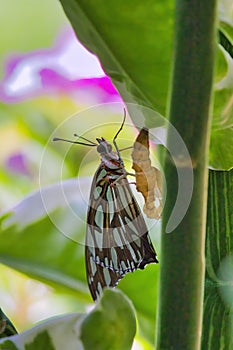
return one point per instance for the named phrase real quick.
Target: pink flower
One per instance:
(17, 163)
(66, 68)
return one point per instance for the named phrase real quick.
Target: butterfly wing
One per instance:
(99, 277)
(117, 240)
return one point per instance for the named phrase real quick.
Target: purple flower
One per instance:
(17, 163)
(66, 68)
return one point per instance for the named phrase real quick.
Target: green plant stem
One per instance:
(182, 250)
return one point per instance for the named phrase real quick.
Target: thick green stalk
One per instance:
(182, 250)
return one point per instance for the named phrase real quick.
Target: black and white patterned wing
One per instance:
(99, 277)
(117, 240)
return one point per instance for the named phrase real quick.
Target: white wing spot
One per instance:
(99, 215)
(117, 237)
(109, 196)
(89, 238)
(128, 264)
(114, 258)
(99, 288)
(97, 259)
(132, 265)
(97, 192)
(106, 263)
(107, 277)
(99, 240)
(132, 253)
(93, 267)
(124, 267)
(111, 210)
(121, 222)
(140, 255)
(111, 264)
(101, 175)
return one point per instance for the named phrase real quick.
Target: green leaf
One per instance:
(226, 42)
(132, 41)
(8, 345)
(221, 144)
(218, 304)
(60, 332)
(226, 26)
(221, 149)
(221, 65)
(111, 325)
(40, 342)
(37, 240)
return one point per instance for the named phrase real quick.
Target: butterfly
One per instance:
(117, 239)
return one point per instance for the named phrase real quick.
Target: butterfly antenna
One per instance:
(83, 138)
(118, 132)
(121, 127)
(91, 144)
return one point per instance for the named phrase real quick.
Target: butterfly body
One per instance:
(117, 240)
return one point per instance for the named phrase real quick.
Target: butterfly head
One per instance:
(103, 147)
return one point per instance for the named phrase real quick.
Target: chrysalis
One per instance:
(148, 178)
